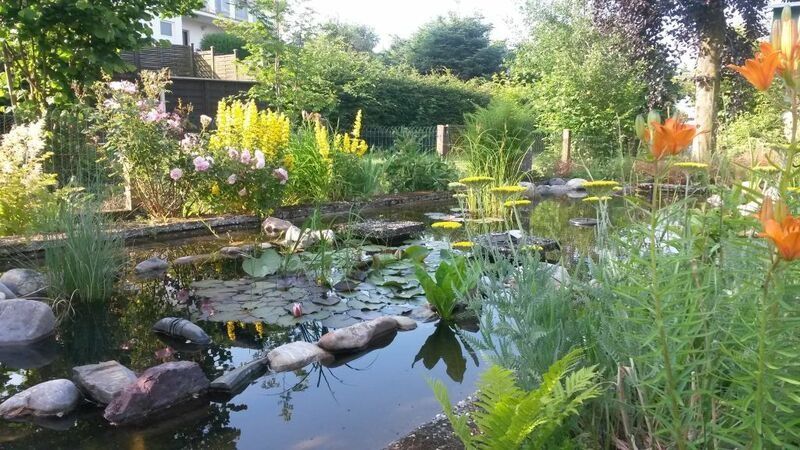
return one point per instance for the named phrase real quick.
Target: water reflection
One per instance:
(445, 344)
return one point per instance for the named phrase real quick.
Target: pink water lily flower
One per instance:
(201, 164)
(297, 309)
(281, 174)
(176, 174)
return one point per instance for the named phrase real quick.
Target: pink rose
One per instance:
(232, 179)
(176, 174)
(201, 164)
(281, 175)
(260, 162)
(246, 158)
(232, 153)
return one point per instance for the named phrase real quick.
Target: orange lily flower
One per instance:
(782, 228)
(671, 138)
(761, 70)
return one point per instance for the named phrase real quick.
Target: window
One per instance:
(166, 28)
(241, 13)
(223, 7)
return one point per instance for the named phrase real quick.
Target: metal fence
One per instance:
(387, 138)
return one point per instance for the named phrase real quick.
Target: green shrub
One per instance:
(224, 44)
(85, 265)
(24, 186)
(357, 176)
(511, 418)
(409, 168)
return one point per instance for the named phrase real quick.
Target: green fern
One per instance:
(511, 418)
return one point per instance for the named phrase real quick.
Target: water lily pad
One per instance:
(327, 299)
(339, 321)
(364, 315)
(395, 310)
(318, 316)
(359, 305)
(267, 264)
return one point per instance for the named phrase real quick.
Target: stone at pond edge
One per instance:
(151, 265)
(5, 292)
(405, 323)
(158, 388)
(358, 336)
(424, 314)
(104, 380)
(194, 260)
(177, 327)
(237, 379)
(275, 228)
(30, 356)
(51, 398)
(383, 231)
(576, 183)
(296, 355)
(24, 282)
(25, 321)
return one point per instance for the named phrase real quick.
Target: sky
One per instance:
(401, 18)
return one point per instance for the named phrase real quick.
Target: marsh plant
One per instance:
(85, 264)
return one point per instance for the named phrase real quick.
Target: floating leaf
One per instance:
(415, 253)
(267, 264)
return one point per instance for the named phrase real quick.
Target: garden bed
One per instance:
(136, 231)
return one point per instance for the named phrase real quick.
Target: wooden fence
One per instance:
(204, 93)
(184, 61)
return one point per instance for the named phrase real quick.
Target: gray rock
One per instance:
(193, 260)
(236, 252)
(152, 265)
(24, 282)
(25, 321)
(559, 190)
(296, 355)
(275, 228)
(558, 273)
(383, 231)
(556, 182)
(103, 381)
(237, 379)
(405, 323)
(158, 388)
(423, 314)
(5, 293)
(357, 337)
(300, 239)
(51, 398)
(183, 329)
(576, 183)
(30, 356)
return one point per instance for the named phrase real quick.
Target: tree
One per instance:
(359, 38)
(574, 76)
(458, 44)
(50, 45)
(708, 26)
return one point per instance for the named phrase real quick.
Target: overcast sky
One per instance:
(403, 17)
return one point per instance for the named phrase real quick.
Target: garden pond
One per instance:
(362, 402)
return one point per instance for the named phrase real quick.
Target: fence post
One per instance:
(235, 65)
(442, 140)
(566, 146)
(191, 59)
(213, 63)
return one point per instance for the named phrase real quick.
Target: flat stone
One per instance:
(193, 260)
(101, 382)
(296, 355)
(182, 328)
(25, 321)
(358, 336)
(405, 323)
(157, 389)
(51, 398)
(423, 314)
(151, 265)
(237, 379)
(383, 231)
(23, 282)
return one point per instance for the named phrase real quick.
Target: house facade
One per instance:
(190, 29)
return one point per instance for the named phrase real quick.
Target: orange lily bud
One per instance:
(640, 127)
(653, 116)
(788, 33)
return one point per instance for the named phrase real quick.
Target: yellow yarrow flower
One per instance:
(515, 203)
(794, 189)
(531, 248)
(463, 245)
(215, 189)
(600, 184)
(476, 180)
(446, 225)
(597, 199)
(507, 190)
(690, 165)
(765, 168)
(456, 186)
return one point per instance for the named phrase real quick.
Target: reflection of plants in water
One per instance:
(136, 322)
(446, 344)
(90, 334)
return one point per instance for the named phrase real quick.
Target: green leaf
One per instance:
(416, 253)
(267, 264)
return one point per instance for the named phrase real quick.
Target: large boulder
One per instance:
(183, 329)
(24, 282)
(296, 355)
(300, 239)
(103, 381)
(275, 228)
(358, 336)
(25, 321)
(51, 398)
(157, 389)
(405, 323)
(152, 265)
(5, 292)
(388, 232)
(30, 356)
(576, 183)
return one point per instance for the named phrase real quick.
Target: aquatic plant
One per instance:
(84, 265)
(453, 279)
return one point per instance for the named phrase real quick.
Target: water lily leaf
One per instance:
(383, 259)
(267, 264)
(374, 248)
(416, 253)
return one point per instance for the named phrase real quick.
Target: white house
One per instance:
(190, 29)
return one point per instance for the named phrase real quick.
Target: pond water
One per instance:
(361, 403)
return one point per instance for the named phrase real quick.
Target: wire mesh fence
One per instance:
(386, 138)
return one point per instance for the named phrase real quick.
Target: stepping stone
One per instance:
(296, 355)
(383, 231)
(357, 337)
(238, 379)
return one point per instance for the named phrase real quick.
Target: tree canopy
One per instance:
(357, 37)
(50, 45)
(460, 45)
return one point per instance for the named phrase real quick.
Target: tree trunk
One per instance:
(707, 79)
